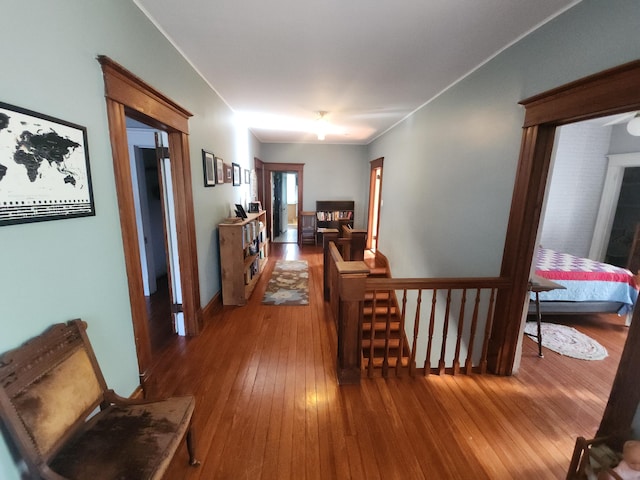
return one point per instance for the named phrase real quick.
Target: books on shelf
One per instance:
(336, 215)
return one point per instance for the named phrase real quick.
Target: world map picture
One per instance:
(44, 168)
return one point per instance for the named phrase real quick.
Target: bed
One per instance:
(590, 286)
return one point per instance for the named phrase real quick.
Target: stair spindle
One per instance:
(468, 365)
(445, 331)
(401, 334)
(432, 321)
(487, 331)
(416, 328)
(372, 335)
(456, 361)
(387, 337)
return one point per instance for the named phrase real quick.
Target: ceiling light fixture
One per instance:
(633, 127)
(321, 128)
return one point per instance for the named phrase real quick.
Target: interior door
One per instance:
(171, 235)
(375, 203)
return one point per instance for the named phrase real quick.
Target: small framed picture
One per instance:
(236, 174)
(209, 168)
(219, 170)
(247, 176)
(227, 173)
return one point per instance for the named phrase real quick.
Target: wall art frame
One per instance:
(227, 173)
(44, 168)
(219, 170)
(236, 174)
(209, 168)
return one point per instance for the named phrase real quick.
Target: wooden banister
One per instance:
(459, 320)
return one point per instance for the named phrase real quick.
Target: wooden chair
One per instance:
(66, 423)
(586, 455)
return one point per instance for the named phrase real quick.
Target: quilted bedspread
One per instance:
(585, 279)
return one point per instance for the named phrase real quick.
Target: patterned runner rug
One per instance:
(566, 341)
(289, 284)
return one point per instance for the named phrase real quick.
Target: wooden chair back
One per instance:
(48, 387)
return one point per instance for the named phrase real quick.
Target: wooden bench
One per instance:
(66, 423)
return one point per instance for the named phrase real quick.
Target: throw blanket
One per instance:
(585, 280)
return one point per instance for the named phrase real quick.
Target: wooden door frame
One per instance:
(606, 93)
(259, 167)
(128, 95)
(377, 163)
(267, 169)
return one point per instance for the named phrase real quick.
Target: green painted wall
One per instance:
(455, 159)
(331, 172)
(448, 176)
(54, 271)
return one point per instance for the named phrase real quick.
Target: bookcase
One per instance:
(334, 213)
(244, 248)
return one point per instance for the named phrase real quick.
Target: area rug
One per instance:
(289, 284)
(566, 341)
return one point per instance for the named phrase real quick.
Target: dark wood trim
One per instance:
(126, 88)
(259, 166)
(587, 98)
(612, 91)
(120, 150)
(625, 393)
(127, 94)
(268, 168)
(185, 224)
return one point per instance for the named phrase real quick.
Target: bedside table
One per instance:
(539, 284)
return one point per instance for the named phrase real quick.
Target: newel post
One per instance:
(351, 285)
(357, 243)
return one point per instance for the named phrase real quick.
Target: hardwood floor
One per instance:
(268, 405)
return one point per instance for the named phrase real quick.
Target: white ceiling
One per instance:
(368, 63)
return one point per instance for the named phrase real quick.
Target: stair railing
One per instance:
(449, 326)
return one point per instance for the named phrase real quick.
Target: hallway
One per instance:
(268, 405)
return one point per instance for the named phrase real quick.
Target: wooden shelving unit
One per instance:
(244, 249)
(334, 214)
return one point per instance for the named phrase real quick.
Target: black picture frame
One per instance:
(209, 168)
(236, 174)
(44, 168)
(219, 170)
(240, 211)
(254, 207)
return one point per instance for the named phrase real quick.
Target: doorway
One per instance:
(609, 92)
(267, 171)
(285, 207)
(128, 96)
(148, 187)
(375, 203)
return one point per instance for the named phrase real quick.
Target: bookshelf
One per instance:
(244, 249)
(334, 213)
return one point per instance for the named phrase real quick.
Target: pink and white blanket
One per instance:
(585, 280)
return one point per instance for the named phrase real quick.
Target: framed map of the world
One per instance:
(44, 168)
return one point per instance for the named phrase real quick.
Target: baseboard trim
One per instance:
(214, 305)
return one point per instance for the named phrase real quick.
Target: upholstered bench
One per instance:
(67, 424)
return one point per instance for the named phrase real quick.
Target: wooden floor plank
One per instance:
(268, 404)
